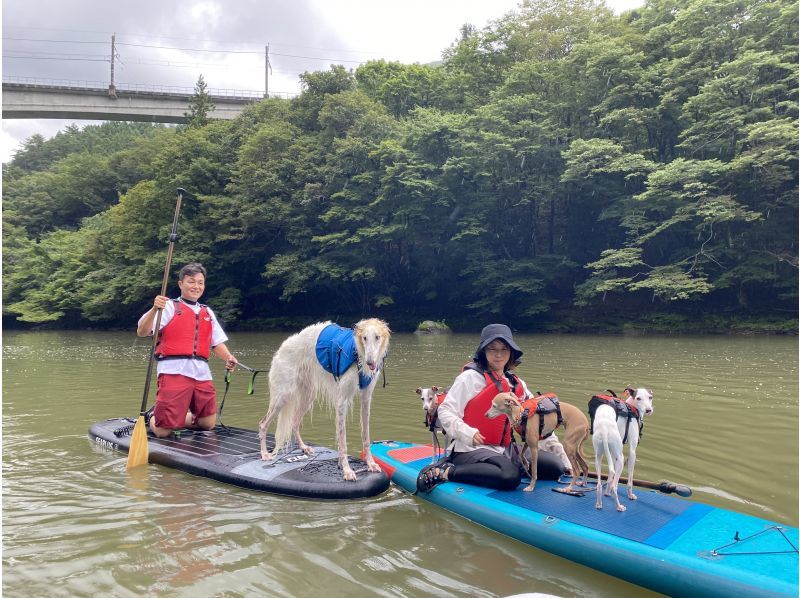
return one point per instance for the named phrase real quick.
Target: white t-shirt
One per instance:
(193, 368)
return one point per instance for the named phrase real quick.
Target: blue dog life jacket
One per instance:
(336, 352)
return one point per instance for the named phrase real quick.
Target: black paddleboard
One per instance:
(232, 455)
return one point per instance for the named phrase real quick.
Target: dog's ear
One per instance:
(419, 391)
(650, 392)
(435, 388)
(630, 391)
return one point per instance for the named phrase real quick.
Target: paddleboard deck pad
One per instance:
(662, 542)
(232, 455)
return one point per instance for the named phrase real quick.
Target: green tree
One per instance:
(201, 105)
(401, 87)
(316, 86)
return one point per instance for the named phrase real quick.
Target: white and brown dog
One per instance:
(431, 399)
(329, 361)
(537, 427)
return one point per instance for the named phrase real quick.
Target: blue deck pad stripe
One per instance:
(641, 521)
(655, 519)
(673, 529)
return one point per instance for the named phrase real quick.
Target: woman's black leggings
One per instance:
(484, 467)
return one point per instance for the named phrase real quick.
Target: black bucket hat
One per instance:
(493, 332)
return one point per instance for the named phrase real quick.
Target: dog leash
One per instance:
(224, 396)
(255, 372)
(250, 388)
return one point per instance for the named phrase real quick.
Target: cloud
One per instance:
(171, 43)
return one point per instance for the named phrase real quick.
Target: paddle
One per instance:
(138, 451)
(663, 486)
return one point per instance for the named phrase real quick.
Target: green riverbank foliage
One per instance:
(562, 169)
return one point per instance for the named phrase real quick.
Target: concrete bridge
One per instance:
(86, 100)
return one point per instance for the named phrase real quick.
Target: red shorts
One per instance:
(178, 394)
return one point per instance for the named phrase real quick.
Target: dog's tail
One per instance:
(284, 428)
(609, 459)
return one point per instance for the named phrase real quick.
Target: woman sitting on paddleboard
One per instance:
(481, 452)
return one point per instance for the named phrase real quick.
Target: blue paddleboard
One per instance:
(665, 543)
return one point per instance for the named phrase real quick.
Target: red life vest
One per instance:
(186, 336)
(495, 431)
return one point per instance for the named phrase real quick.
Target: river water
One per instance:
(75, 523)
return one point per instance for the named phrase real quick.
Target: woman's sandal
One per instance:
(432, 475)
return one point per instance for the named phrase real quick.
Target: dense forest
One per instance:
(561, 169)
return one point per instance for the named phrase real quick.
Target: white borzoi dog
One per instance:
(296, 379)
(607, 442)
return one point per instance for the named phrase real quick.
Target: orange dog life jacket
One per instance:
(541, 404)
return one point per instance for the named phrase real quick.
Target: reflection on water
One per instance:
(76, 523)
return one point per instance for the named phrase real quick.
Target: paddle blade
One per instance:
(138, 452)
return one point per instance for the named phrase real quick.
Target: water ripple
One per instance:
(77, 523)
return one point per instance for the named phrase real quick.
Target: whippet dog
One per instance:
(538, 426)
(607, 443)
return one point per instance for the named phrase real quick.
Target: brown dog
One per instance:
(576, 430)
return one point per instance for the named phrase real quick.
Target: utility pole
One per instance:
(267, 69)
(112, 91)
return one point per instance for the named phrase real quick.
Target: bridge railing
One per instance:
(139, 87)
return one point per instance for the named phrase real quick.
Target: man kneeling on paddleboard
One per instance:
(189, 331)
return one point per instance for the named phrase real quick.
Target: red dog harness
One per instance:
(541, 404)
(621, 409)
(432, 417)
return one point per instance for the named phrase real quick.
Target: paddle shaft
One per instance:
(172, 238)
(666, 487)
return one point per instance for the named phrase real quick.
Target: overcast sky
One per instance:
(169, 43)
